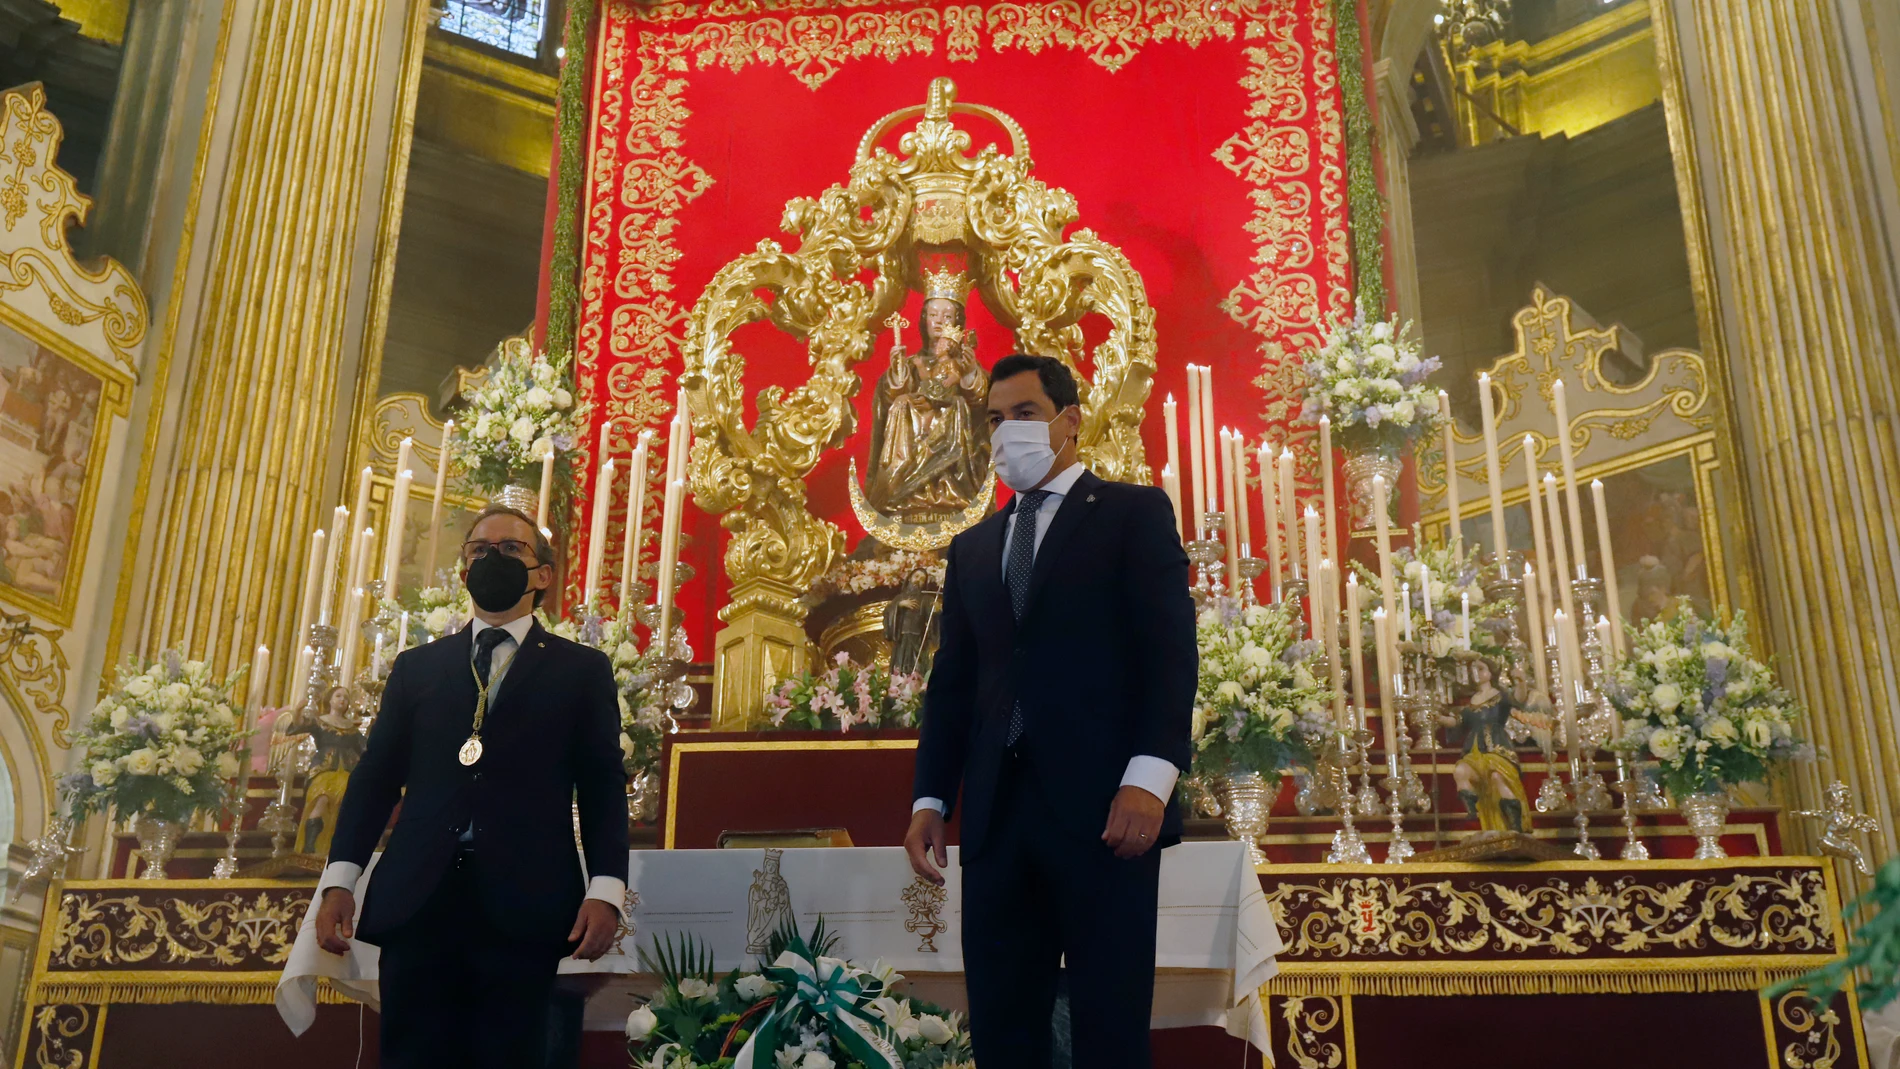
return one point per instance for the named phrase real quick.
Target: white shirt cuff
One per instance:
(611, 891)
(342, 874)
(1151, 774)
(922, 804)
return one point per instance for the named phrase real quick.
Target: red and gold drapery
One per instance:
(1206, 140)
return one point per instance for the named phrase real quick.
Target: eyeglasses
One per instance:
(474, 549)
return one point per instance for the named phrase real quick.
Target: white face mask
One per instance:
(1021, 453)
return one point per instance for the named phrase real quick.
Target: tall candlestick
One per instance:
(312, 580)
(669, 561)
(359, 553)
(1405, 613)
(1465, 599)
(398, 525)
(636, 518)
(260, 675)
(1330, 513)
(1314, 555)
(1558, 542)
(1197, 476)
(1270, 515)
(1534, 625)
(1171, 483)
(1381, 638)
(435, 507)
(351, 635)
(1233, 514)
(1353, 637)
(1384, 532)
(1606, 643)
(333, 556)
(1207, 434)
(1567, 687)
(547, 487)
(402, 634)
(300, 677)
(350, 624)
(1329, 612)
(1290, 515)
(1495, 481)
(1237, 494)
(1540, 546)
(597, 531)
(1456, 529)
(1425, 592)
(405, 455)
(1171, 420)
(1571, 496)
(1613, 600)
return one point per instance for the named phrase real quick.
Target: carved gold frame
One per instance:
(932, 196)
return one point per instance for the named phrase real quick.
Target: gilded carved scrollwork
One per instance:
(230, 930)
(931, 196)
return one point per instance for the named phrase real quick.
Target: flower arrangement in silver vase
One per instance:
(524, 408)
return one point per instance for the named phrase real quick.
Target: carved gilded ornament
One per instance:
(232, 930)
(1558, 340)
(1038, 282)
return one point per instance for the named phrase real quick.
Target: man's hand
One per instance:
(594, 928)
(336, 920)
(925, 842)
(1134, 822)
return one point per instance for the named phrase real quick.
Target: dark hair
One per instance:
(1057, 380)
(543, 549)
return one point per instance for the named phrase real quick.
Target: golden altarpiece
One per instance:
(932, 217)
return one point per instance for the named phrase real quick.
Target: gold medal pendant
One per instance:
(471, 751)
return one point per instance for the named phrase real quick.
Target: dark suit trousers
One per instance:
(1034, 895)
(458, 991)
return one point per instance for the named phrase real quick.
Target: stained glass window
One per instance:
(510, 25)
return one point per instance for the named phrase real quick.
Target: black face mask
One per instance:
(496, 581)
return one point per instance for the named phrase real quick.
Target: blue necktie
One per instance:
(1022, 565)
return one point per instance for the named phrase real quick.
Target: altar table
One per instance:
(1214, 948)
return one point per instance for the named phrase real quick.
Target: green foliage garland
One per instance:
(1365, 204)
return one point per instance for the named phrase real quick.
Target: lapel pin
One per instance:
(1091, 499)
(543, 645)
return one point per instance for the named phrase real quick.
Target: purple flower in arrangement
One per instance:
(1717, 670)
(1375, 415)
(1442, 619)
(1692, 632)
(74, 781)
(141, 725)
(1296, 652)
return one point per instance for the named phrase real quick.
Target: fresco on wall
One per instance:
(49, 412)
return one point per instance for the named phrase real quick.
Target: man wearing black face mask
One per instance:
(1059, 708)
(486, 736)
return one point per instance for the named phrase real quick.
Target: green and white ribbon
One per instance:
(827, 989)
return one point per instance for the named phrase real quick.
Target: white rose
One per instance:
(227, 765)
(817, 1059)
(1344, 364)
(1198, 726)
(542, 372)
(537, 399)
(1720, 729)
(641, 1023)
(935, 1029)
(754, 988)
(1382, 331)
(221, 716)
(497, 430)
(187, 760)
(138, 686)
(1383, 351)
(562, 398)
(522, 430)
(165, 721)
(119, 717)
(626, 652)
(1760, 732)
(483, 424)
(626, 744)
(175, 696)
(103, 773)
(695, 989)
(141, 762)
(1230, 690)
(1665, 744)
(437, 621)
(1667, 697)
(1404, 413)
(1255, 657)
(1254, 616)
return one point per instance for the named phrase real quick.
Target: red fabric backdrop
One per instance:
(1205, 140)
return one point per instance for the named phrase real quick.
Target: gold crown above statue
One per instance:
(946, 285)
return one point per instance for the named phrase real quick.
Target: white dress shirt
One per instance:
(345, 874)
(1156, 775)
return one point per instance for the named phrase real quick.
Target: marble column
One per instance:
(1789, 191)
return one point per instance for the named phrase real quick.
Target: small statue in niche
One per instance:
(929, 453)
(910, 626)
(1489, 779)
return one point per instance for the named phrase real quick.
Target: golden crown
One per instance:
(947, 285)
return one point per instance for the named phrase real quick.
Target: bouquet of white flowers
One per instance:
(433, 611)
(1694, 698)
(525, 407)
(1370, 380)
(845, 696)
(160, 743)
(800, 1009)
(1454, 575)
(1259, 707)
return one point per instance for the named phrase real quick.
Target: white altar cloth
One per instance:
(1214, 948)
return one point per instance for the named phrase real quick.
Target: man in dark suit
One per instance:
(487, 737)
(1060, 705)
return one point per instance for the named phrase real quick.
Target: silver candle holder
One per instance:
(1349, 746)
(1209, 555)
(1400, 849)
